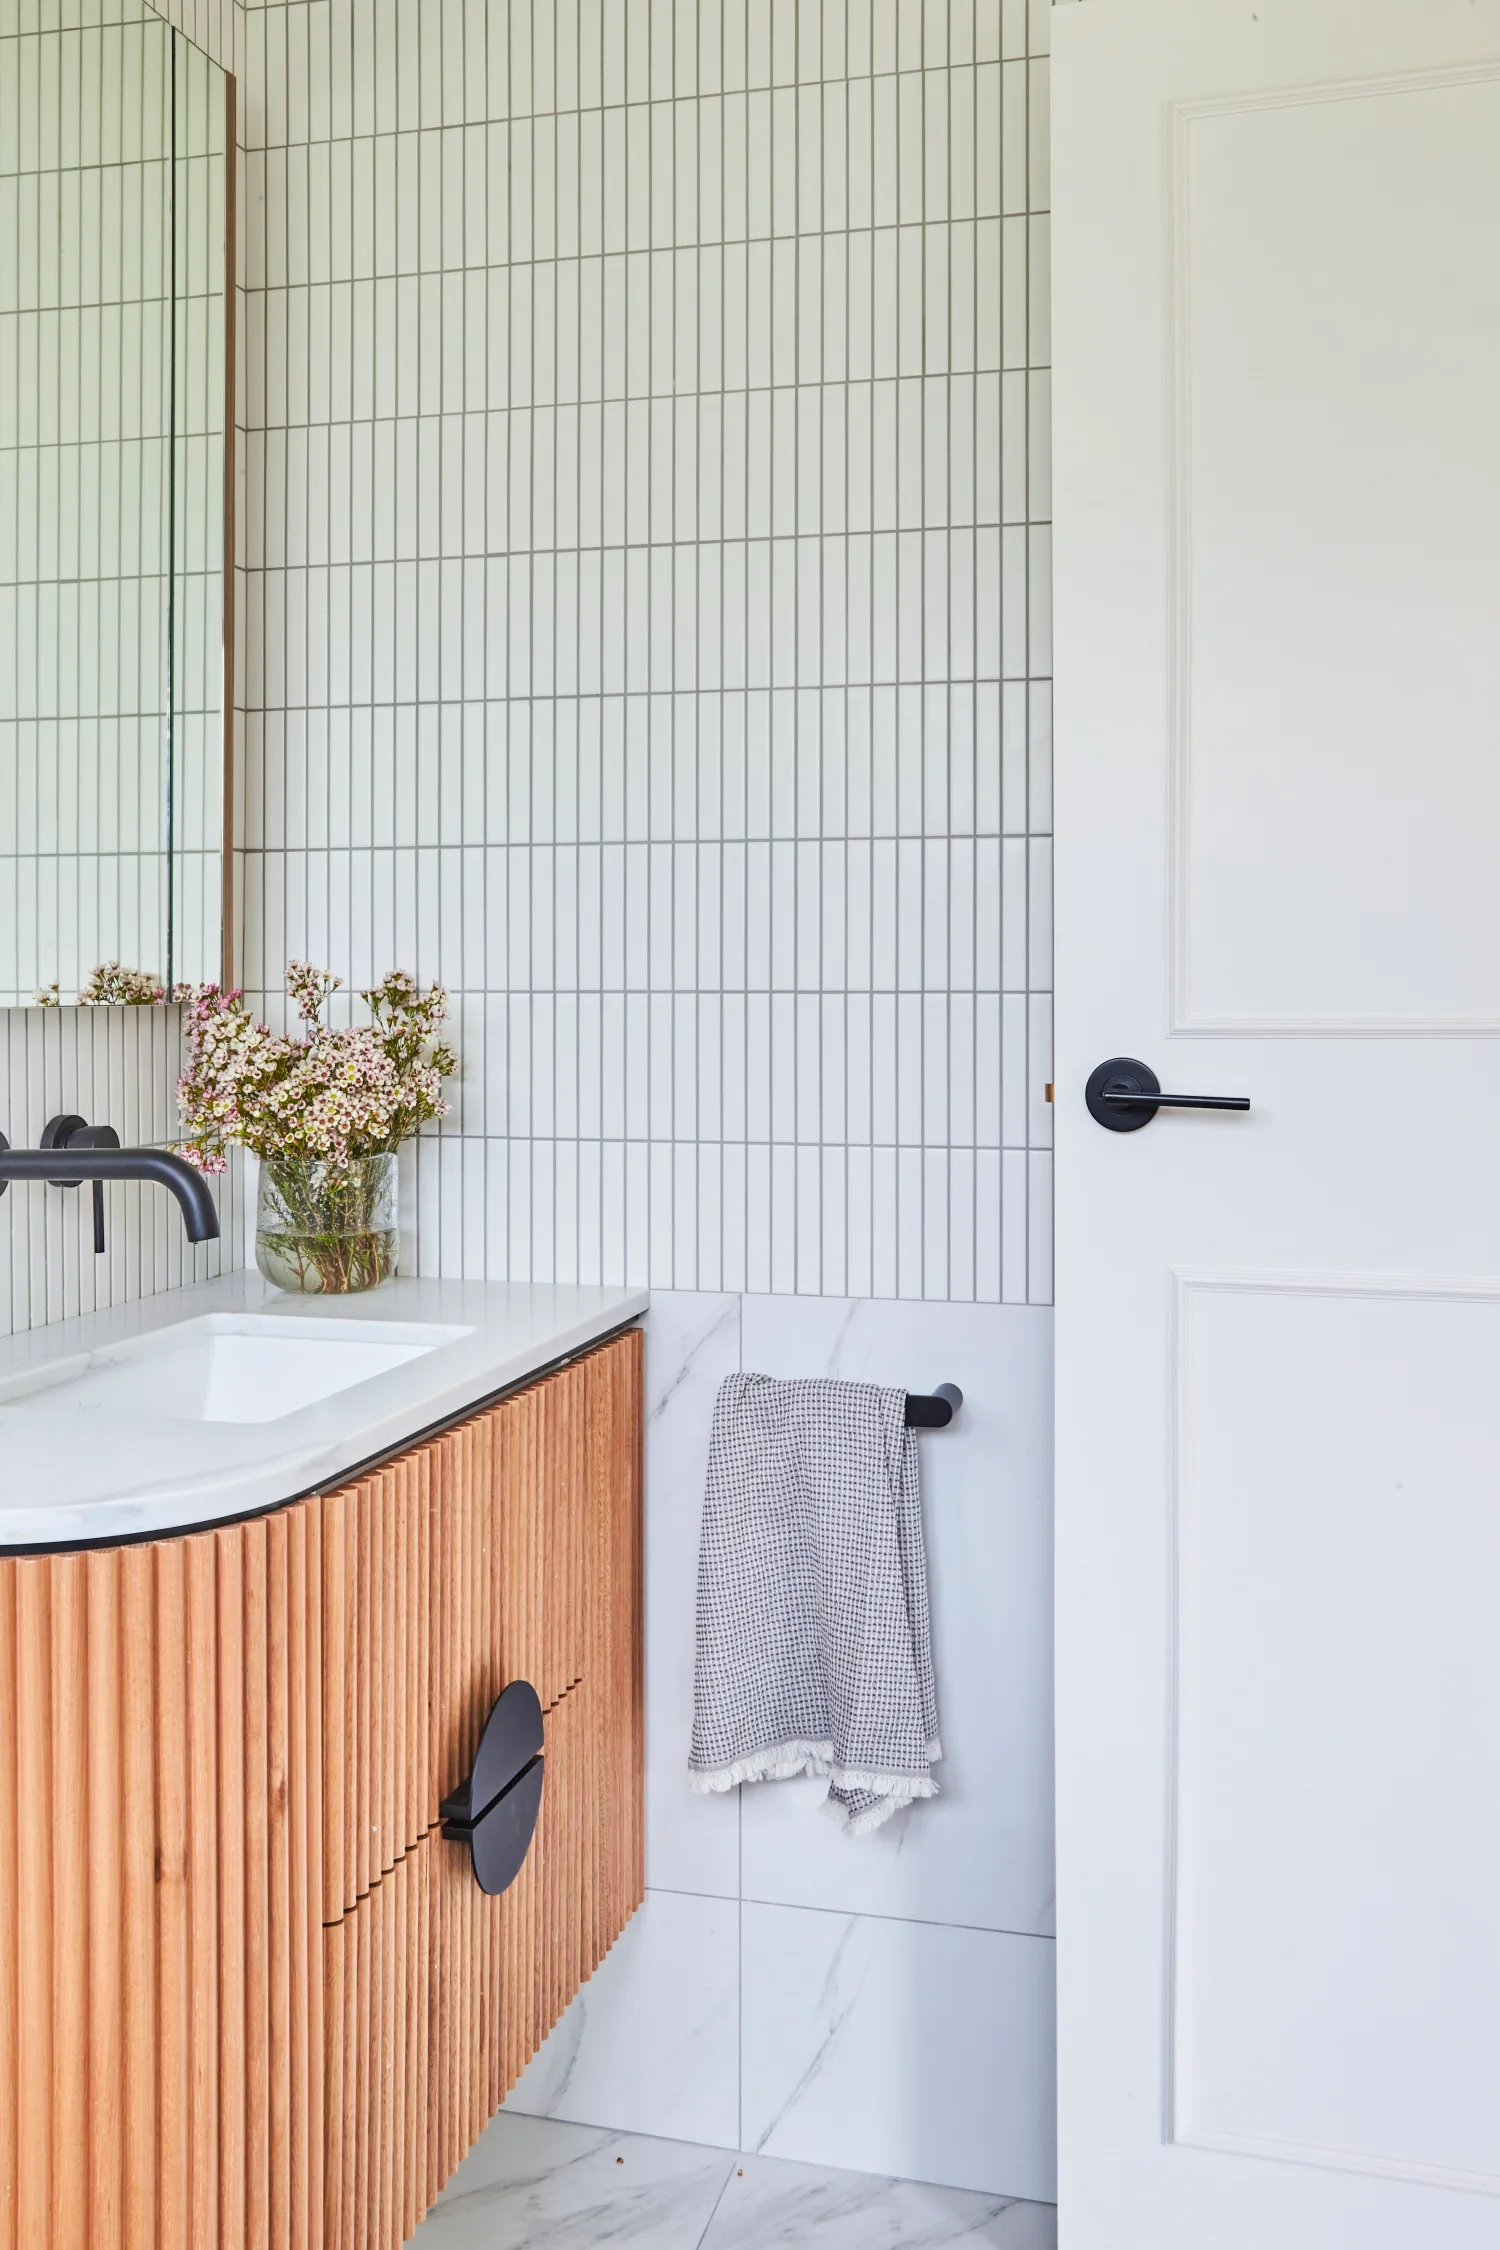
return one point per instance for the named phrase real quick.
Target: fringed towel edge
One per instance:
(778, 1763)
(783, 1759)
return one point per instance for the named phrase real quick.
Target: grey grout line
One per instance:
(729, 2173)
(852, 1913)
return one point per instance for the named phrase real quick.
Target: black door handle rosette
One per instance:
(495, 1812)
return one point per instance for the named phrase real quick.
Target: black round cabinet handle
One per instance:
(495, 1812)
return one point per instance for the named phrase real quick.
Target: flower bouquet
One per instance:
(325, 1111)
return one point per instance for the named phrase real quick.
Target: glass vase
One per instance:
(322, 1227)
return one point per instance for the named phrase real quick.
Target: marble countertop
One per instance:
(78, 1471)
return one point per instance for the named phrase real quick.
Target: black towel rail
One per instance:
(933, 1411)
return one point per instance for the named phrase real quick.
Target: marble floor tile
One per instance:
(771, 2204)
(530, 2183)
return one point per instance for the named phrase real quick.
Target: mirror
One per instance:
(115, 433)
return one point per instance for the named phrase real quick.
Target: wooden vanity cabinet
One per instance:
(501, 1551)
(249, 1995)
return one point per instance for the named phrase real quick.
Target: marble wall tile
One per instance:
(904, 2026)
(651, 2043)
(982, 1852)
(692, 1343)
(900, 2047)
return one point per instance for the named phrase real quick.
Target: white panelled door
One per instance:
(1276, 242)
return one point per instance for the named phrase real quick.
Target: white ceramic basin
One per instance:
(227, 1367)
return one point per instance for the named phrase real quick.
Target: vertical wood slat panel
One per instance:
(105, 1844)
(334, 1942)
(304, 1785)
(349, 2155)
(514, 1542)
(277, 1948)
(233, 1781)
(334, 1578)
(171, 1898)
(203, 1892)
(67, 1815)
(34, 1899)
(349, 1689)
(366, 1659)
(138, 1895)
(157, 1747)
(257, 1901)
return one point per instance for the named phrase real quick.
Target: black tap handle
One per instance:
(72, 1131)
(63, 1132)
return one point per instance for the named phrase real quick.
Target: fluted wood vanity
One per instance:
(249, 1994)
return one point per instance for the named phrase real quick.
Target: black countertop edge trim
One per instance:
(335, 1483)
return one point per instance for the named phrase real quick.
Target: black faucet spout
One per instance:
(62, 1166)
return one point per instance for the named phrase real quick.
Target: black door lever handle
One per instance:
(1123, 1095)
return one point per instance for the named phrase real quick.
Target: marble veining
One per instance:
(909, 2048)
(651, 2044)
(842, 1985)
(692, 1343)
(535, 2184)
(770, 2204)
(719, 1322)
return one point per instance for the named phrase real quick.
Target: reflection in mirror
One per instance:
(114, 259)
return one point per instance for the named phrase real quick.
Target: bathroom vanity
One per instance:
(251, 1629)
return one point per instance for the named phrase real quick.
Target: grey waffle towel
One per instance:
(814, 1648)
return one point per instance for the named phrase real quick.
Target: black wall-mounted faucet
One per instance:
(73, 1151)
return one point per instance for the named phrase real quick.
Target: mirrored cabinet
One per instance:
(116, 481)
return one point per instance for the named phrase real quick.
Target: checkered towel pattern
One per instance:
(814, 1646)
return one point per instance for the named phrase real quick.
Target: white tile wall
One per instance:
(646, 614)
(112, 1066)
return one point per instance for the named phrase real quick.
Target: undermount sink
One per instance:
(226, 1367)
(223, 1399)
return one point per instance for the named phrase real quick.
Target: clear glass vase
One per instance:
(326, 1227)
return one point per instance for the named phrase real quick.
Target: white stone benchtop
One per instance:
(228, 1398)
